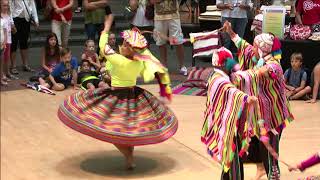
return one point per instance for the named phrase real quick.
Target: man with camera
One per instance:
(24, 13)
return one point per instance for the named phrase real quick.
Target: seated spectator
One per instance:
(296, 78)
(308, 12)
(90, 55)
(65, 73)
(315, 83)
(50, 57)
(87, 78)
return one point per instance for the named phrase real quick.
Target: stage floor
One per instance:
(35, 145)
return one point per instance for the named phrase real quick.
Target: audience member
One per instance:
(315, 84)
(7, 22)
(90, 55)
(50, 57)
(61, 20)
(234, 11)
(308, 12)
(167, 19)
(296, 78)
(65, 73)
(87, 78)
(139, 19)
(24, 14)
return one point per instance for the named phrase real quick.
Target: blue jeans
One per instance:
(238, 26)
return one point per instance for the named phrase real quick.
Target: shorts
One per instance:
(171, 25)
(95, 82)
(21, 37)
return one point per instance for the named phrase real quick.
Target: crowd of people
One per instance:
(113, 109)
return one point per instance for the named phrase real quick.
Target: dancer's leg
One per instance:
(127, 151)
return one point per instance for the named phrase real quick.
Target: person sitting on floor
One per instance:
(296, 78)
(315, 84)
(87, 78)
(90, 55)
(65, 73)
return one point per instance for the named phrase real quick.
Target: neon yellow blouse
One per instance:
(124, 72)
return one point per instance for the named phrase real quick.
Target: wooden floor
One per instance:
(35, 145)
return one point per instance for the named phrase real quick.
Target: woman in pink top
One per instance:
(61, 20)
(308, 12)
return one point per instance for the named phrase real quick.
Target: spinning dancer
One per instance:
(124, 115)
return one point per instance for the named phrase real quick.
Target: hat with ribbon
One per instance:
(223, 57)
(134, 38)
(268, 44)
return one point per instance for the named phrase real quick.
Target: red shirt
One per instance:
(310, 11)
(67, 13)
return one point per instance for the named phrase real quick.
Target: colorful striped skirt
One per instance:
(130, 116)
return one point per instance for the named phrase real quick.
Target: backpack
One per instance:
(301, 74)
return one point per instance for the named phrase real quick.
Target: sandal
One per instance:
(14, 70)
(28, 69)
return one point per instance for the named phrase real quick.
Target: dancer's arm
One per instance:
(313, 160)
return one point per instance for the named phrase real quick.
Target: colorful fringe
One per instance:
(270, 91)
(225, 104)
(130, 116)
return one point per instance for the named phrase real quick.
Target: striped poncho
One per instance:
(225, 104)
(275, 108)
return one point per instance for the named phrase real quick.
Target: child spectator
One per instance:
(315, 84)
(90, 55)
(7, 23)
(65, 73)
(104, 74)
(3, 32)
(50, 57)
(87, 78)
(296, 78)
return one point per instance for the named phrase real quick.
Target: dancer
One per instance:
(124, 115)
(270, 91)
(303, 165)
(227, 129)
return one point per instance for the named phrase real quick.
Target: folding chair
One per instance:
(204, 46)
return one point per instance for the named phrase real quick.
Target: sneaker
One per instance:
(14, 70)
(184, 71)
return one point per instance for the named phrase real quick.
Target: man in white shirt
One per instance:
(24, 13)
(234, 11)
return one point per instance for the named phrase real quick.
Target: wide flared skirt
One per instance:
(131, 116)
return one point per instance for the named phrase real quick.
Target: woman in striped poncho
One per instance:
(275, 109)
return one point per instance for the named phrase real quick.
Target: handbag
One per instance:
(149, 13)
(48, 10)
(300, 32)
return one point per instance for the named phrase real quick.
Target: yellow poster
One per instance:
(274, 20)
